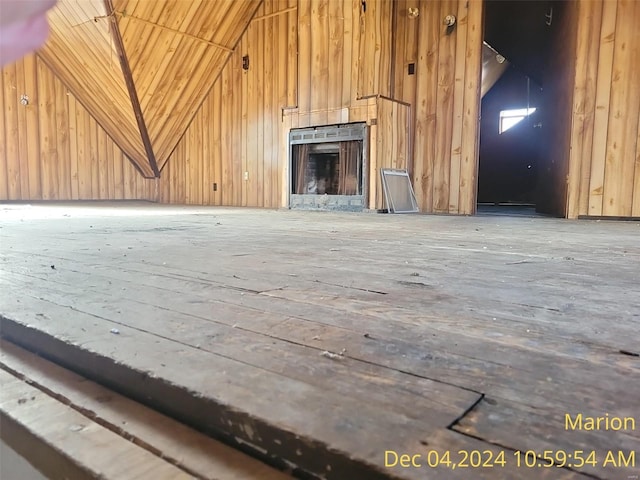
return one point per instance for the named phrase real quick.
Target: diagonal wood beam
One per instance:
(131, 86)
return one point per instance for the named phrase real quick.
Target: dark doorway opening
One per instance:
(510, 141)
(526, 106)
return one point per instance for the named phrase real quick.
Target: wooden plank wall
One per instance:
(375, 48)
(345, 53)
(234, 139)
(237, 139)
(391, 136)
(53, 149)
(445, 93)
(604, 175)
(344, 58)
(313, 62)
(81, 52)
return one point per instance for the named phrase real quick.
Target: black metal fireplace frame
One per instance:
(329, 134)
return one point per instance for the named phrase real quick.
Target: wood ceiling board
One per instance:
(80, 51)
(183, 97)
(130, 7)
(151, 71)
(126, 10)
(83, 35)
(172, 70)
(138, 25)
(87, 12)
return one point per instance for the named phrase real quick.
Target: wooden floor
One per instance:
(322, 341)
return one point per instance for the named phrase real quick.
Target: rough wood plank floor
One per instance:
(319, 341)
(62, 408)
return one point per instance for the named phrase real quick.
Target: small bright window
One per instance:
(509, 118)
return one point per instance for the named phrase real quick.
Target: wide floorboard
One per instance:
(329, 344)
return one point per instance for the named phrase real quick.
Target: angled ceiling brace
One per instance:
(131, 87)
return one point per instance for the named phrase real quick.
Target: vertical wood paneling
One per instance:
(118, 178)
(399, 37)
(230, 114)
(280, 100)
(80, 51)
(348, 60)
(129, 183)
(354, 37)
(48, 133)
(31, 125)
(269, 86)
(304, 55)
(237, 123)
(444, 111)
(458, 105)
(111, 156)
(12, 140)
(84, 141)
(94, 158)
(103, 176)
(374, 157)
(383, 47)
(253, 115)
(62, 141)
(336, 47)
(623, 114)
(391, 136)
(73, 145)
(604, 61)
(426, 100)
(405, 51)
(635, 211)
(375, 48)
(604, 175)
(444, 94)
(4, 172)
(23, 144)
(319, 85)
(260, 115)
(471, 111)
(344, 53)
(243, 118)
(321, 59)
(52, 148)
(584, 99)
(208, 172)
(291, 46)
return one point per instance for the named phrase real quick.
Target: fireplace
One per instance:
(327, 169)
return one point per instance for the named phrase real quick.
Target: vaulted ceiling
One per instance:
(143, 67)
